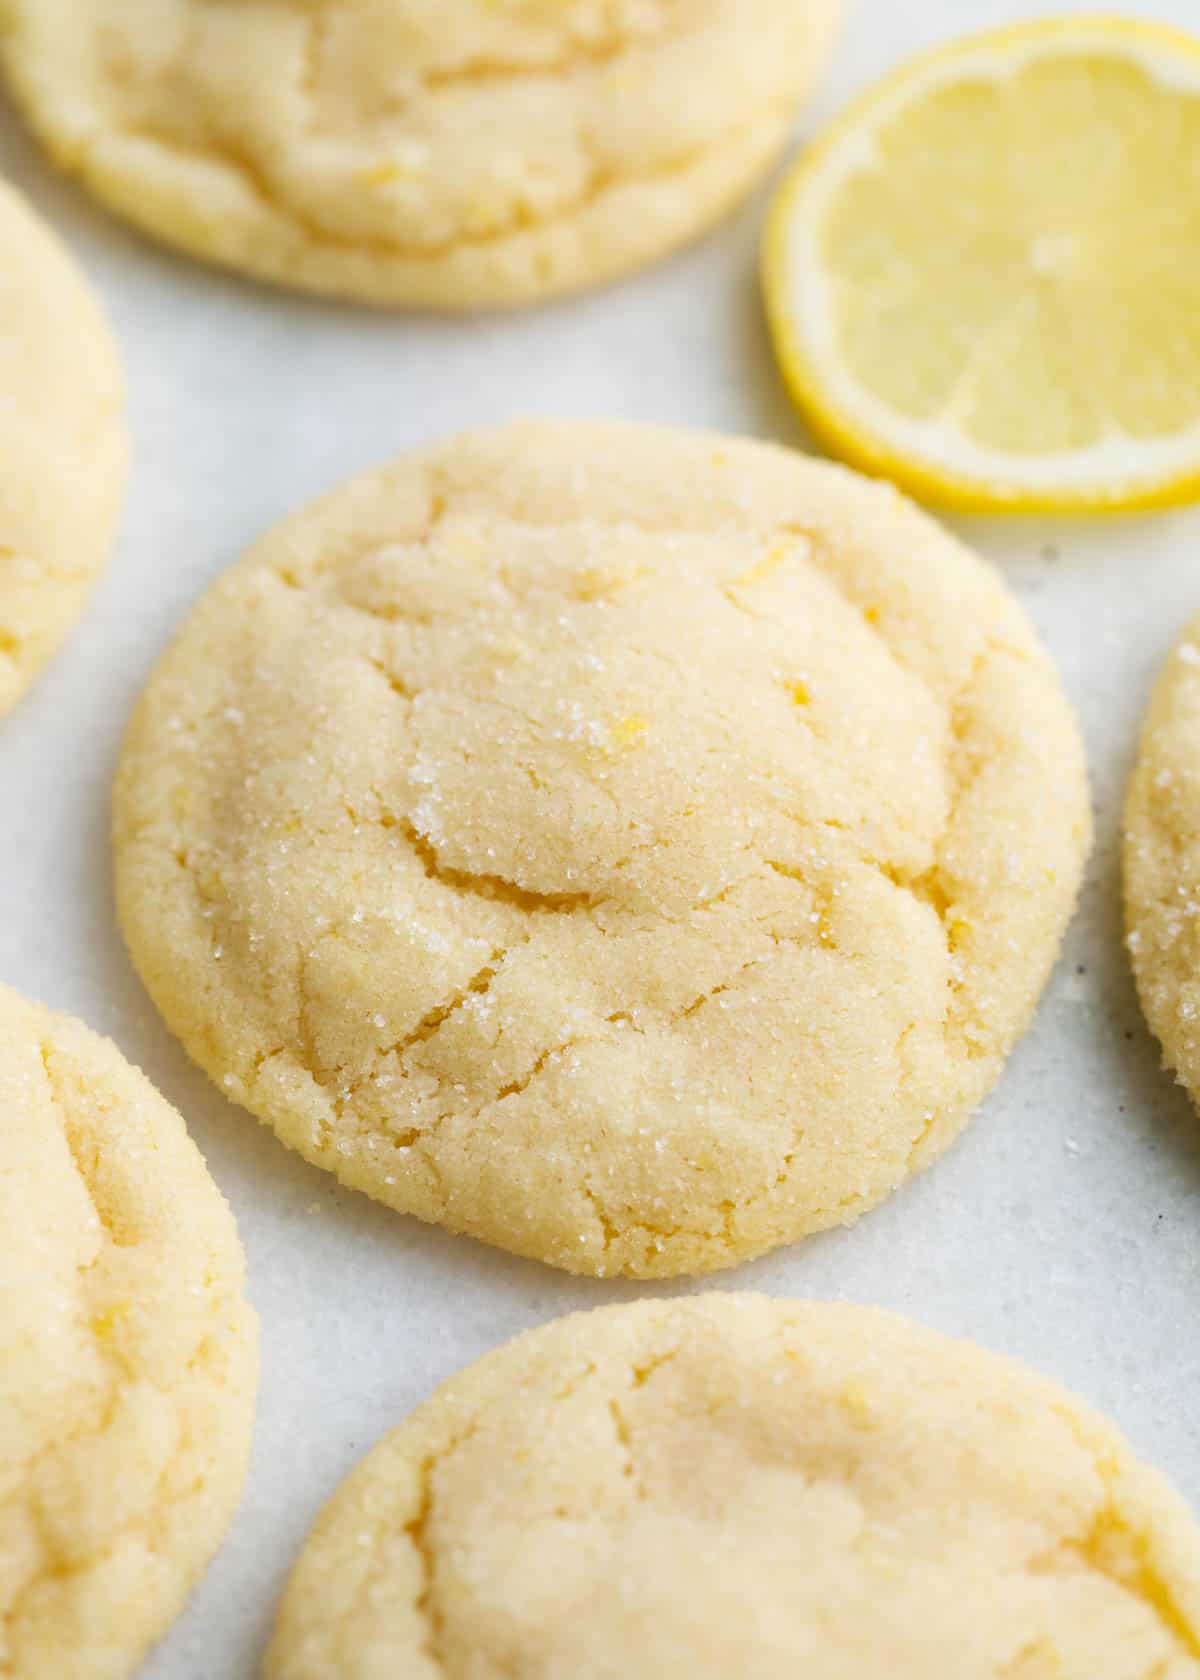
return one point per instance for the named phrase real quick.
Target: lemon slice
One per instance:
(984, 280)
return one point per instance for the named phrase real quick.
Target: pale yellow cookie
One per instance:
(450, 153)
(63, 445)
(127, 1355)
(733, 1488)
(1162, 861)
(635, 848)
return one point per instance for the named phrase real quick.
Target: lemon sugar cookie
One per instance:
(63, 445)
(634, 848)
(733, 1488)
(127, 1356)
(1162, 861)
(451, 153)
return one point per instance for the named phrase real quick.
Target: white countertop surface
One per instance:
(1064, 1227)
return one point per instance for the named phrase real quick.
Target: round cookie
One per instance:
(127, 1355)
(635, 848)
(441, 153)
(730, 1486)
(1162, 861)
(63, 445)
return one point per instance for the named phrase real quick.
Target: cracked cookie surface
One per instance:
(449, 153)
(634, 848)
(1162, 861)
(734, 1486)
(127, 1355)
(63, 445)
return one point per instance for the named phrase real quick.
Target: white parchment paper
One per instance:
(1064, 1227)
